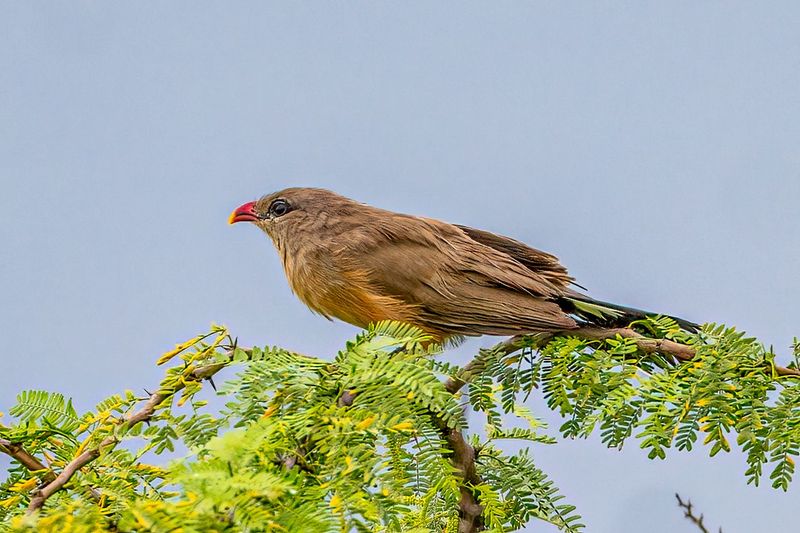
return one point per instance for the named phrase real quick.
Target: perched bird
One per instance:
(361, 264)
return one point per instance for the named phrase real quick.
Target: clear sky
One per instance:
(654, 147)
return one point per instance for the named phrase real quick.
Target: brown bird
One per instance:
(362, 264)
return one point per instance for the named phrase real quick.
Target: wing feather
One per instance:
(536, 260)
(458, 284)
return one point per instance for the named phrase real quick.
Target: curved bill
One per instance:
(244, 213)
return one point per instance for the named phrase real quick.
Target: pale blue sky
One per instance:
(654, 147)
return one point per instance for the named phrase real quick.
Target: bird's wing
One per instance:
(538, 261)
(457, 283)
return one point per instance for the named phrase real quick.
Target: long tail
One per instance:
(608, 314)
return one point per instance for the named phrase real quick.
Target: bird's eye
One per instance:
(279, 207)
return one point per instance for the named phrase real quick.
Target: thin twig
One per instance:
(508, 346)
(688, 512)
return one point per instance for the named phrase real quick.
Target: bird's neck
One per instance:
(309, 269)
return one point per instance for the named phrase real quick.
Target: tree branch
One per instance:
(469, 519)
(464, 454)
(26, 459)
(681, 352)
(40, 496)
(470, 510)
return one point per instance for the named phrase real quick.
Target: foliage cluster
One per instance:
(285, 453)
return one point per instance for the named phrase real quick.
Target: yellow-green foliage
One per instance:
(286, 454)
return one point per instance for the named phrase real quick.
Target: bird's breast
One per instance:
(333, 290)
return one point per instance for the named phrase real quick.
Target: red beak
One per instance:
(244, 213)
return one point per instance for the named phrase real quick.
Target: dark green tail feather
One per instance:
(608, 314)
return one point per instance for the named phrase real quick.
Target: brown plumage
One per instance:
(362, 264)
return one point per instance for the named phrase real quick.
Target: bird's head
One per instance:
(289, 215)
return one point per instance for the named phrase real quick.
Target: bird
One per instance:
(363, 265)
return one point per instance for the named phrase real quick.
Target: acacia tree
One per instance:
(375, 438)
